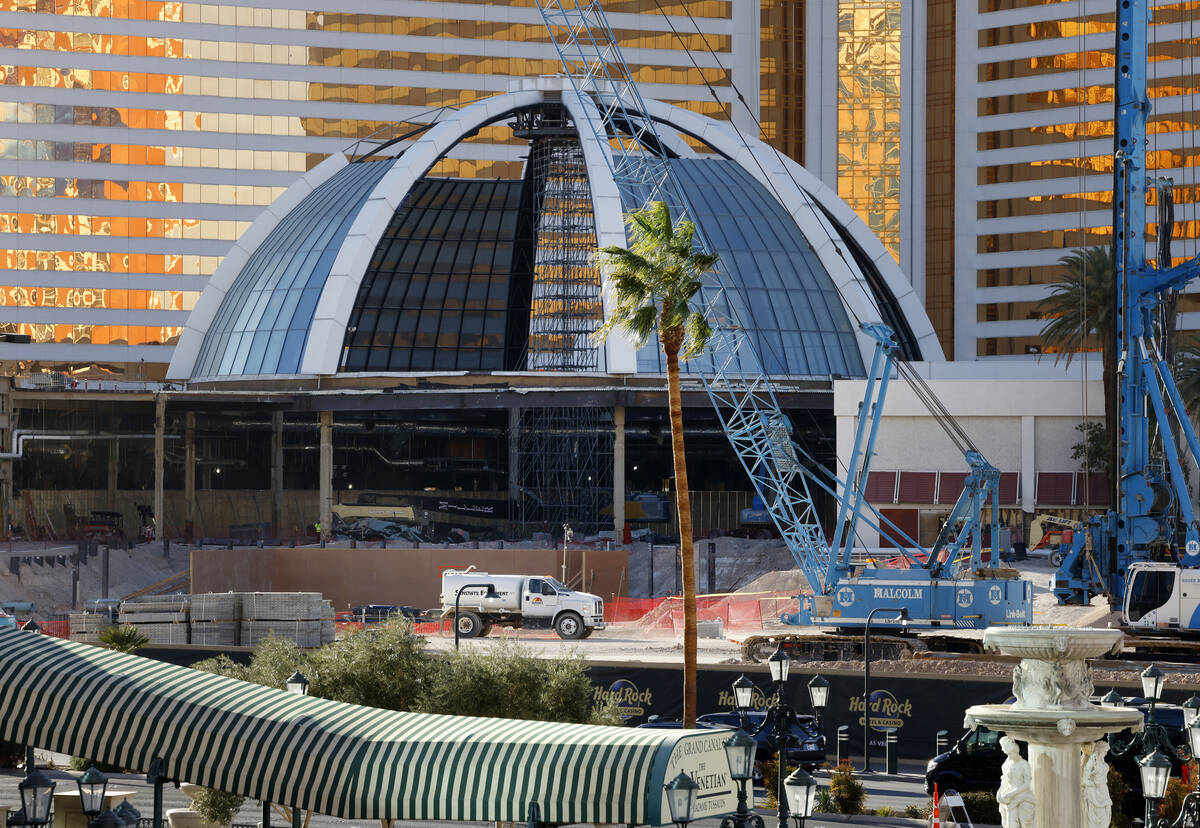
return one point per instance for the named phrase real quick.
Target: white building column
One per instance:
(1028, 463)
(746, 69)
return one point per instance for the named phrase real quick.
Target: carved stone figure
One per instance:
(1015, 797)
(1097, 804)
(1052, 684)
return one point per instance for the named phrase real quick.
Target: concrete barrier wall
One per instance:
(350, 577)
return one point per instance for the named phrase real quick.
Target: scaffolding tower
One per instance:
(566, 307)
(564, 455)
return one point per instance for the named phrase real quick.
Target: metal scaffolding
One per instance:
(564, 455)
(566, 459)
(566, 303)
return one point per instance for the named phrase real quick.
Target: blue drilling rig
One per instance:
(1144, 553)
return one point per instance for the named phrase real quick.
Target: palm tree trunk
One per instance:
(686, 554)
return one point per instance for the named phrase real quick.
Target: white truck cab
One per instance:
(1161, 596)
(479, 601)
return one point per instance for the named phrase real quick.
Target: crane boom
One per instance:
(938, 590)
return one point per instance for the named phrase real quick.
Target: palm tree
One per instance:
(654, 281)
(124, 639)
(1079, 316)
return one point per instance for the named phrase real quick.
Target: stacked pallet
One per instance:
(161, 618)
(87, 626)
(215, 618)
(328, 628)
(292, 615)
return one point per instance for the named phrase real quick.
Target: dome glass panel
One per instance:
(262, 324)
(782, 294)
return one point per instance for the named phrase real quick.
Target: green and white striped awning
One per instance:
(341, 759)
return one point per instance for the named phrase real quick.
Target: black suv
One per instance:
(975, 760)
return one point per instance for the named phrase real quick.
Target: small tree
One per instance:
(1092, 450)
(217, 807)
(847, 793)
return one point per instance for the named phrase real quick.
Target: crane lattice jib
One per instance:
(738, 386)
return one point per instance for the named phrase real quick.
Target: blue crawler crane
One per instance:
(953, 585)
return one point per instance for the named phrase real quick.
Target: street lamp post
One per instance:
(1155, 769)
(802, 795)
(902, 617)
(1152, 682)
(743, 695)
(488, 597)
(92, 785)
(1112, 699)
(818, 696)
(297, 684)
(681, 799)
(740, 751)
(36, 791)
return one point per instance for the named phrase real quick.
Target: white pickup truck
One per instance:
(532, 601)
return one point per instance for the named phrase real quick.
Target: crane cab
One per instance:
(1161, 596)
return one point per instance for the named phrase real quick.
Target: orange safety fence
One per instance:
(739, 611)
(58, 629)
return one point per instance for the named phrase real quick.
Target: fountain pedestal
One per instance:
(1052, 713)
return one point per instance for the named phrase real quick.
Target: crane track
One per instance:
(848, 646)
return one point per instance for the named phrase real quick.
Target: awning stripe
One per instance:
(346, 760)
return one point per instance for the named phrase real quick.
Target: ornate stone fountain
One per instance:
(1053, 715)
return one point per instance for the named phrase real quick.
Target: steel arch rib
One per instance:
(322, 352)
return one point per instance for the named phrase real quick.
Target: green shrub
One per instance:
(847, 792)
(1172, 802)
(824, 803)
(217, 806)
(1118, 791)
(81, 763)
(387, 667)
(885, 811)
(919, 811)
(982, 807)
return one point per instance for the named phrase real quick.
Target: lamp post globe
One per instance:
(1112, 699)
(801, 790)
(743, 694)
(739, 750)
(1193, 731)
(681, 798)
(780, 665)
(36, 790)
(297, 684)
(1191, 709)
(130, 815)
(818, 693)
(1152, 682)
(92, 785)
(1155, 770)
(106, 820)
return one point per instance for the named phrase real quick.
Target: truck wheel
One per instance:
(569, 626)
(485, 629)
(1056, 559)
(469, 624)
(587, 633)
